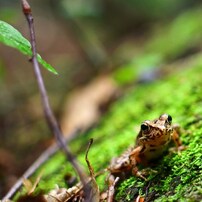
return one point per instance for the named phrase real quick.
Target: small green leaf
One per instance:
(13, 38)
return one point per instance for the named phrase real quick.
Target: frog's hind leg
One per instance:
(138, 173)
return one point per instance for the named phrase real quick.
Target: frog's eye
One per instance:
(169, 118)
(144, 127)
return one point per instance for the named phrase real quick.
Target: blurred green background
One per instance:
(83, 39)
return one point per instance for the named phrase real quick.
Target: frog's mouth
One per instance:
(146, 138)
(152, 135)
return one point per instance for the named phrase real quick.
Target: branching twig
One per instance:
(50, 118)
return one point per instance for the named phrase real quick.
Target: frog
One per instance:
(151, 143)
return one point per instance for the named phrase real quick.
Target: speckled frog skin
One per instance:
(153, 139)
(151, 142)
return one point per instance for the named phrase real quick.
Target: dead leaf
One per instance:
(83, 106)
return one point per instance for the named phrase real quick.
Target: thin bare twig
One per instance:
(87, 161)
(50, 118)
(94, 192)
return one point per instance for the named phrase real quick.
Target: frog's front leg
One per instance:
(134, 160)
(176, 138)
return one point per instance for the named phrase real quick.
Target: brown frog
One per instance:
(151, 142)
